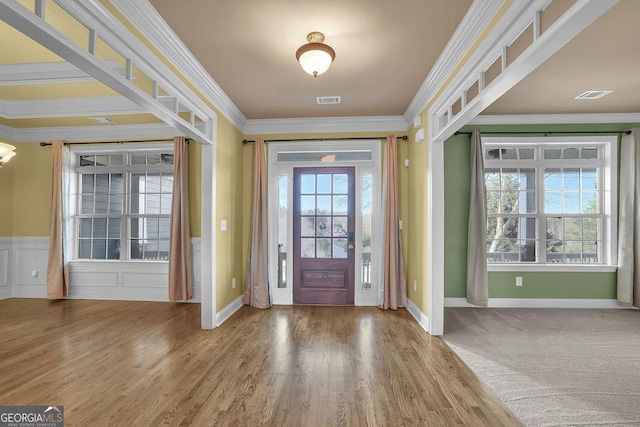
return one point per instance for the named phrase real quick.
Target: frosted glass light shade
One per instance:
(6, 152)
(315, 57)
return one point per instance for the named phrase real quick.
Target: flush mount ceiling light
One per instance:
(6, 153)
(315, 57)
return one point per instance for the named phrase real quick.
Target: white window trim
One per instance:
(72, 237)
(610, 202)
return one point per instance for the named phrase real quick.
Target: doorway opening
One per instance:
(324, 222)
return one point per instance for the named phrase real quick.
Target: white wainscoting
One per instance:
(23, 274)
(5, 261)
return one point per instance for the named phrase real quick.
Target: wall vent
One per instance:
(593, 94)
(327, 100)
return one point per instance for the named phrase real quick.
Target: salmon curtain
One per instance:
(180, 281)
(57, 265)
(394, 292)
(256, 287)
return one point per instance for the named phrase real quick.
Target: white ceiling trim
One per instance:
(50, 73)
(89, 133)
(117, 36)
(74, 107)
(549, 119)
(149, 22)
(326, 125)
(469, 29)
(573, 21)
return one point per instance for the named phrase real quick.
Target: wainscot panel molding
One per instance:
(23, 274)
(538, 303)
(417, 314)
(5, 282)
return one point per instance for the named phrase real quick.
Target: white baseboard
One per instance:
(417, 314)
(537, 303)
(226, 312)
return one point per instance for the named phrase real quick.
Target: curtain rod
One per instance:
(45, 144)
(626, 132)
(248, 141)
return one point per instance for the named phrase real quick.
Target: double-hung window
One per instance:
(121, 202)
(551, 201)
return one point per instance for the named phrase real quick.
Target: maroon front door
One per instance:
(323, 235)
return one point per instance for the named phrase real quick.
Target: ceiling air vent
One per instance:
(593, 94)
(102, 119)
(326, 100)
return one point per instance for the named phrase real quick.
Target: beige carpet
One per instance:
(554, 367)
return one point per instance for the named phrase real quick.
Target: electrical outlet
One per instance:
(233, 282)
(518, 281)
(415, 286)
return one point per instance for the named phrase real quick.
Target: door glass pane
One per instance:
(307, 226)
(324, 205)
(324, 183)
(339, 248)
(282, 230)
(308, 248)
(340, 205)
(307, 184)
(323, 226)
(340, 226)
(307, 205)
(365, 269)
(340, 184)
(323, 249)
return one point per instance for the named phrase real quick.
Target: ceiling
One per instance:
(605, 56)
(384, 51)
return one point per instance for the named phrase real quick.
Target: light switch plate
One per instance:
(223, 225)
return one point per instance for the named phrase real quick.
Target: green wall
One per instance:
(591, 285)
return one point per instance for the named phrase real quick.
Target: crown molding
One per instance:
(89, 133)
(326, 125)
(7, 133)
(474, 22)
(75, 107)
(549, 119)
(149, 22)
(50, 73)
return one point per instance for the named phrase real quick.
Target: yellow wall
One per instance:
(6, 199)
(31, 190)
(417, 188)
(247, 183)
(230, 246)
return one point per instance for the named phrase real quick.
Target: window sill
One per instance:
(582, 268)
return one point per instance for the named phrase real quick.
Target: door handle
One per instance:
(350, 241)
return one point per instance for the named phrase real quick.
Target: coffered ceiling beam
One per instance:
(36, 28)
(444, 122)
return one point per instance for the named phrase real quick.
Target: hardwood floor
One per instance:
(144, 363)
